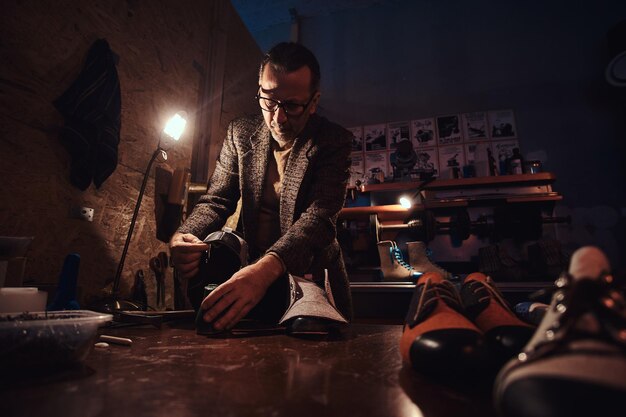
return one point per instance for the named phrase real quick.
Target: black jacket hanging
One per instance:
(92, 110)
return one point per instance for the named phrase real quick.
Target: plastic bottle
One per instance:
(516, 162)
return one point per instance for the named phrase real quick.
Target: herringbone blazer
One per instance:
(313, 193)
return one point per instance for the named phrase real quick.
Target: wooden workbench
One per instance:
(172, 372)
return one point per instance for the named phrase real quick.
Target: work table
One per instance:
(174, 372)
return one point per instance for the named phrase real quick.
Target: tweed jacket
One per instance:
(313, 193)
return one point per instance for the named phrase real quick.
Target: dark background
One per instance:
(385, 61)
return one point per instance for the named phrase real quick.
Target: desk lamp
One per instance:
(407, 202)
(172, 132)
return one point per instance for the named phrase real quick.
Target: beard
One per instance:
(282, 134)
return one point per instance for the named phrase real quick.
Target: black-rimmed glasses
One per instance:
(290, 108)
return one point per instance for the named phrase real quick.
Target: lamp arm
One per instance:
(120, 267)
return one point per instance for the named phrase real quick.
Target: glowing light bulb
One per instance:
(176, 125)
(405, 202)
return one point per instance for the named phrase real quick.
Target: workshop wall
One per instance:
(161, 45)
(402, 60)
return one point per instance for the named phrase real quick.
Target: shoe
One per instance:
(312, 311)
(392, 263)
(227, 253)
(488, 309)
(419, 260)
(437, 339)
(575, 363)
(531, 312)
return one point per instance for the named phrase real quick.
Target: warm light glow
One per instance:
(176, 125)
(405, 202)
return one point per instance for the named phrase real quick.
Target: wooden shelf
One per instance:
(521, 179)
(462, 192)
(390, 212)
(534, 198)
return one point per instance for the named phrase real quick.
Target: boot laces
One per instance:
(595, 296)
(486, 291)
(396, 253)
(434, 292)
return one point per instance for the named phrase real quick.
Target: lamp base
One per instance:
(113, 304)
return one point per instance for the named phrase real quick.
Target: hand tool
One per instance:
(158, 269)
(138, 292)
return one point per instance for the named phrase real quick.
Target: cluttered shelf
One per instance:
(462, 192)
(462, 221)
(541, 178)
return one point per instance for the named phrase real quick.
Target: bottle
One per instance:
(493, 169)
(516, 162)
(453, 166)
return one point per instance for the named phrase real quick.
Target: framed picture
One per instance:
(449, 129)
(475, 127)
(357, 140)
(375, 138)
(502, 150)
(477, 154)
(423, 133)
(451, 159)
(427, 161)
(376, 166)
(397, 132)
(357, 169)
(502, 124)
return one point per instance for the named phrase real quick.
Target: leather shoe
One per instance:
(488, 309)
(575, 363)
(437, 339)
(312, 311)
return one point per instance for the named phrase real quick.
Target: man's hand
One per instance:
(186, 251)
(237, 296)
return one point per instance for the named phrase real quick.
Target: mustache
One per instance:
(281, 128)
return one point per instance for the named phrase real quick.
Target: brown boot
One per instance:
(437, 338)
(418, 259)
(393, 265)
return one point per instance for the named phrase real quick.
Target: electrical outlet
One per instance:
(81, 213)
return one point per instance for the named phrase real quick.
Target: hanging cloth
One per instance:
(92, 107)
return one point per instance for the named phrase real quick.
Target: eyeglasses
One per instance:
(290, 108)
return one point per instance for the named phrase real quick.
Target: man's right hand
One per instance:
(186, 252)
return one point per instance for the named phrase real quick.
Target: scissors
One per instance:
(158, 264)
(139, 290)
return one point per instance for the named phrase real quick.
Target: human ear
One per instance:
(313, 106)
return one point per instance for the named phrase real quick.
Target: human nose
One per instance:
(279, 115)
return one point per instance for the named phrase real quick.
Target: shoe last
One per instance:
(437, 338)
(575, 363)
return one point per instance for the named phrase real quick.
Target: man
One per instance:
(290, 167)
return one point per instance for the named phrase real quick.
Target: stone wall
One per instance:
(162, 47)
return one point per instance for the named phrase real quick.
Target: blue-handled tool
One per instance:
(65, 297)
